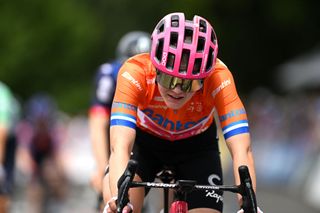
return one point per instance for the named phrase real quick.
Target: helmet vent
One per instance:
(174, 21)
(184, 61)
(188, 33)
(174, 39)
(197, 66)
(210, 60)
(213, 37)
(170, 61)
(203, 26)
(159, 50)
(200, 45)
(160, 27)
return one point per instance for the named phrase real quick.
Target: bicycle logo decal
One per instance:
(215, 195)
(213, 177)
(212, 193)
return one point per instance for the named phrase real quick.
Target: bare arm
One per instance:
(3, 138)
(241, 153)
(98, 126)
(122, 140)
(100, 139)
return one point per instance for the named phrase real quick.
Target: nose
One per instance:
(177, 89)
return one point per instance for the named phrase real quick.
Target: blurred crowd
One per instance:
(45, 156)
(33, 135)
(285, 134)
(286, 141)
(51, 160)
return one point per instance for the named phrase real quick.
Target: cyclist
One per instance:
(130, 44)
(163, 112)
(40, 139)
(9, 115)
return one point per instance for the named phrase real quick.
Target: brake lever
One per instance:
(124, 185)
(246, 190)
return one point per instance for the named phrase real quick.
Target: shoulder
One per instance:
(138, 66)
(221, 79)
(136, 80)
(141, 60)
(109, 68)
(220, 74)
(221, 67)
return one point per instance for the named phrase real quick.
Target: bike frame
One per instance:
(183, 187)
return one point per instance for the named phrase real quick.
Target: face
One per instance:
(175, 98)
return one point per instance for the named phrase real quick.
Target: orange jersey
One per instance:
(137, 102)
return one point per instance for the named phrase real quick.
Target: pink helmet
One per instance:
(182, 48)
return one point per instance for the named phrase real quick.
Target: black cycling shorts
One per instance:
(195, 158)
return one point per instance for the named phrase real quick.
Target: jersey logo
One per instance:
(232, 114)
(158, 98)
(195, 107)
(132, 80)
(170, 124)
(212, 193)
(221, 86)
(124, 106)
(151, 80)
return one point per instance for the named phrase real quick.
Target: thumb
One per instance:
(128, 208)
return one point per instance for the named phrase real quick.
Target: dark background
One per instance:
(56, 45)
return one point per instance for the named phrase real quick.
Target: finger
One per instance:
(113, 206)
(128, 208)
(259, 210)
(105, 209)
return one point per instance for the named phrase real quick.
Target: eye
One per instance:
(185, 86)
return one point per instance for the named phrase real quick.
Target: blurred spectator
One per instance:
(9, 114)
(40, 136)
(285, 135)
(268, 128)
(130, 44)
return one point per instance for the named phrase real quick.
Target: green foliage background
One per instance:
(55, 45)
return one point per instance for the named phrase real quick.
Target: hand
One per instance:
(111, 207)
(242, 211)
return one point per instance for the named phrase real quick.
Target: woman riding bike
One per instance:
(163, 112)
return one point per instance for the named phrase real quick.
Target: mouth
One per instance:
(175, 97)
